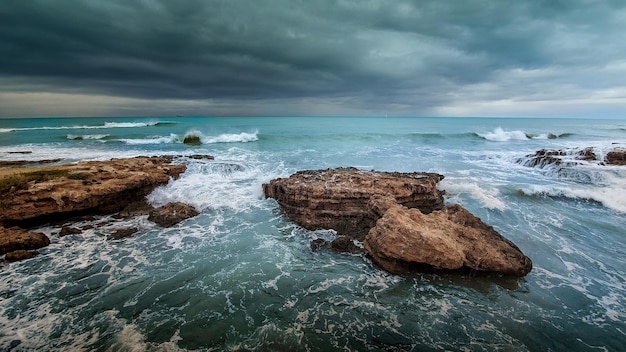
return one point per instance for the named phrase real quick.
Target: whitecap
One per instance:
(500, 135)
(487, 197)
(242, 137)
(172, 138)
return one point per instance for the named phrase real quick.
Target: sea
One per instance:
(242, 277)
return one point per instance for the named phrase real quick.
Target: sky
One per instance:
(523, 58)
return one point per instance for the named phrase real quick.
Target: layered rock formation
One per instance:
(336, 198)
(18, 244)
(406, 240)
(97, 187)
(400, 217)
(572, 157)
(33, 195)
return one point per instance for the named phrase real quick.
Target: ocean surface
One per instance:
(240, 276)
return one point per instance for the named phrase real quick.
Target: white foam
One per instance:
(213, 185)
(487, 197)
(500, 135)
(172, 138)
(83, 127)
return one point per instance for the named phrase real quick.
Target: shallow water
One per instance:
(242, 277)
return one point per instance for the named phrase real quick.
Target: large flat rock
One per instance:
(30, 195)
(336, 198)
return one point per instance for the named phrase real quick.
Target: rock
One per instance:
(319, 244)
(616, 156)
(14, 239)
(587, 154)
(68, 230)
(192, 139)
(123, 233)
(405, 240)
(344, 244)
(134, 209)
(172, 213)
(20, 254)
(40, 194)
(336, 198)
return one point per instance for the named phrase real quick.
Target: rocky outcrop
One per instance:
(172, 213)
(406, 240)
(568, 157)
(400, 217)
(17, 244)
(616, 156)
(563, 158)
(95, 187)
(192, 139)
(30, 196)
(336, 198)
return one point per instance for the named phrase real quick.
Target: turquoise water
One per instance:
(242, 277)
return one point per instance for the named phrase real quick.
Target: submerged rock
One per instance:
(123, 233)
(172, 213)
(406, 240)
(336, 198)
(20, 254)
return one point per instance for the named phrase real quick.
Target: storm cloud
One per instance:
(286, 57)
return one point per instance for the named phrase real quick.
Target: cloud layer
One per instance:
(291, 57)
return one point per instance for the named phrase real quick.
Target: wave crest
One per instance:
(501, 135)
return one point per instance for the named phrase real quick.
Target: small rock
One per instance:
(616, 156)
(68, 230)
(123, 233)
(20, 254)
(319, 244)
(14, 239)
(344, 244)
(172, 213)
(192, 139)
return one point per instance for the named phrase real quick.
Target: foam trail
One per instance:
(487, 197)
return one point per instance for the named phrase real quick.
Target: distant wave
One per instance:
(87, 136)
(172, 138)
(86, 127)
(242, 137)
(500, 135)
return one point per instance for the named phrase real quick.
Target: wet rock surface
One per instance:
(95, 187)
(406, 240)
(406, 226)
(336, 198)
(31, 196)
(172, 213)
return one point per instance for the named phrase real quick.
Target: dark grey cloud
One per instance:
(411, 57)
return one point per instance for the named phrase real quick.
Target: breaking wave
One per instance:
(501, 135)
(85, 127)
